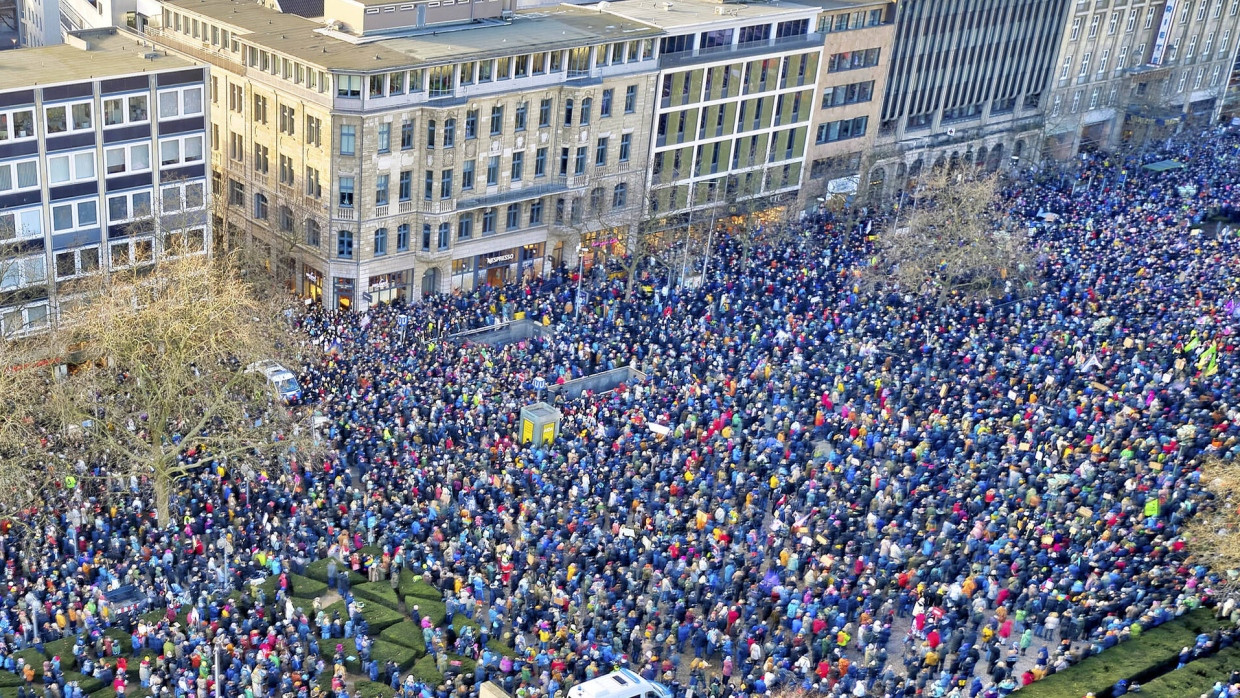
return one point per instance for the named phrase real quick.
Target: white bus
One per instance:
(619, 684)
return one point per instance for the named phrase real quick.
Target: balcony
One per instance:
(753, 48)
(202, 50)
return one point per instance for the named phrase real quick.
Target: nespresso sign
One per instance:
(500, 258)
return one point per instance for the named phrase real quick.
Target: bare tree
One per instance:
(169, 343)
(953, 240)
(1213, 535)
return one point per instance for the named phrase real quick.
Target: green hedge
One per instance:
(62, 648)
(327, 648)
(8, 678)
(406, 634)
(318, 570)
(426, 607)
(33, 657)
(305, 587)
(1138, 659)
(1195, 678)
(499, 647)
(378, 592)
(370, 689)
(413, 585)
(88, 684)
(377, 616)
(382, 651)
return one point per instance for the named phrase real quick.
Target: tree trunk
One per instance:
(163, 494)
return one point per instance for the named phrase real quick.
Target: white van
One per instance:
(620, 684)
(281, 379)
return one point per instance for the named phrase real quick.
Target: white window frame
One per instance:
(198, 231)
(30, 165)
(127, 109)
(76, 207)
(77, 262)
(70, 126)
(26, 326)
(1122, 61)
(27, 223)
(181, 190)
(180, 141)
(132, 245)
(128, 149)
(1224, 43)
(20, 272)
(134, 210)
(1215, 74)
(8, 115)
(80, 165)
(179, 100)
(1201, 74)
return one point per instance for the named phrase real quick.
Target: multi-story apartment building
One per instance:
(1131, 69)
(76, 15)
(852, 77)
(39, 23)
(102, 145)
(966, 83)
(735, 98)
(394, 149)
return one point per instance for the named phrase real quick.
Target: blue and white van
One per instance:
(620, 684)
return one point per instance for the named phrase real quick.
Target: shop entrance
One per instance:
(497, 276)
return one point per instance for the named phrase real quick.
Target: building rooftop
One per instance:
(677, 14)
(832, 5)
(85, 55)
(306, 40)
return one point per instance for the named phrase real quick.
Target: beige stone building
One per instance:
(393, 149)
(1132, 69)
(852, 77)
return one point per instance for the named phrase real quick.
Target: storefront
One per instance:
(531, 260)
(497, 268)
(386, 288)
(343, 289)
(600, 245)
(463, 274)
(313, 283)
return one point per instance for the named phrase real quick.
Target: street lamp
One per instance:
(581, 259)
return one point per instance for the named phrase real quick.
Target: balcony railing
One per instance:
(751, 48)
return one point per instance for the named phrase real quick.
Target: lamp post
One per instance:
(581, 259)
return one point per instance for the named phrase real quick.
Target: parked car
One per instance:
(282, 380)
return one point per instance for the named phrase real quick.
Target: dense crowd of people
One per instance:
(818, 484)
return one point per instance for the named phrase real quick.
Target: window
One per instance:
(544, 113)
(380, 242)
(348, 139)
(78, 262)
(1066, 71)
(568, 112)
(18, 124)
(236, 98)
(314, 131)
(344, 244)
(579, 166)
(286, 170)
(445, 235)
(841, 95)
(468, 70)
(314, 188)
(1201, 10)
(1192, 48)
(445, 184)
(465, 227)
(426, 236)
(1093, 98)
(187, 101)
(1093, 25)
(536, 212)
(14, 320)
(1209, 46)
(68, 118)
(1132, 21)
(260, 156)
(378, 84)
(396, 83)
(132, 158)
(467, 175)
(174, 199)
(75, 216)
(1076, 29)
(513, 217)
(428, 185)
(521, 67)
(260, 109)
(503, 68)
(1085, 64)
(346, 192)
(236, 193)
(493, 171)
(626, 145)
(587, 105)
(852, 60)
(1224, 43)
(404, 190)
(518, 166)
(540, 162)
(600, 152)
(384, 138)
(604, 107)
(563, 162)
(430, 134)
(407, 134)
(118, 111)
(842, 130)
(21, 224)
(497, 120)
(630, 99)
(1113, 25)
(441, 81)
(1102, 61)
(471, 124)
(66, 169)
(381, 189)
(488, 222)
(1149, 17)
(286, 219)
(1076, 101)
(402, 237)
(20, 272)
(260, 207)
(349, 86)
(520, 115)
(1122, 61)
(620, 195)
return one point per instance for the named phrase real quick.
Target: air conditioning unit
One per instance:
(721, 10)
